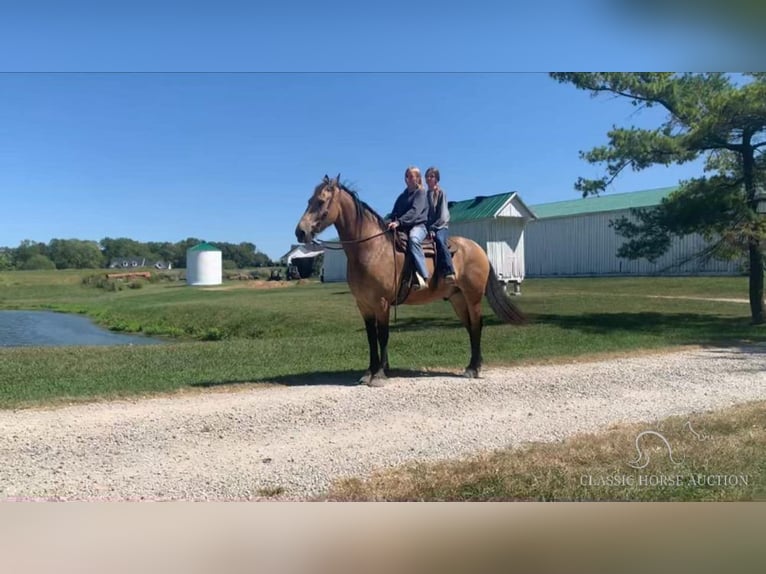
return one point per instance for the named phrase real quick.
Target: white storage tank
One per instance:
(204, 265)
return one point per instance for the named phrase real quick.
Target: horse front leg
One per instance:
(372, 341)
(380, 375)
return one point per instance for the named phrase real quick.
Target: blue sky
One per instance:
(160, 124)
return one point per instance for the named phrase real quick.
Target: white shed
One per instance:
(574, 238)
(334, 265)
(204, 265)
(497, 223)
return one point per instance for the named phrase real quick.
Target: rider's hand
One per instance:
(393, 225)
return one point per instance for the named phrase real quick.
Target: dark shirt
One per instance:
(411, 208)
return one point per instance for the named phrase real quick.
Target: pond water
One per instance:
(48, 329)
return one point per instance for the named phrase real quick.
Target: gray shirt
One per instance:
(438, 212)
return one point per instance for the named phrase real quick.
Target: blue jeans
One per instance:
(443, 258)
(417, 234)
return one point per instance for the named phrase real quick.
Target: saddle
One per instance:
(401, 238)
(429, 245)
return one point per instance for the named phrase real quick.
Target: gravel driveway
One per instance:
(240, 445)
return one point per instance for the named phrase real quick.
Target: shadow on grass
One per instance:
(423, 323)
(347, 378)
(697, 328)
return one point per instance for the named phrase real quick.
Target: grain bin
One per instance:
(204, 265)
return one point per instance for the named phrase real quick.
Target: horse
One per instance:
(373, 266)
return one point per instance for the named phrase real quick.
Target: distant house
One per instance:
(302, 257)
(132, 262)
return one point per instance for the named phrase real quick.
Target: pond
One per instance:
(48, 329)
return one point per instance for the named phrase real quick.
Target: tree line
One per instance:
(84, 254)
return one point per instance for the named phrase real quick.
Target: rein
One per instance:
(339, 244)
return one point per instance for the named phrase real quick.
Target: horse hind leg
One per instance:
(469, 314)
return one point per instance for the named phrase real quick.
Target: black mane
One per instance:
(362, 207)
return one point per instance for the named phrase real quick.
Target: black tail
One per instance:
(500, 301)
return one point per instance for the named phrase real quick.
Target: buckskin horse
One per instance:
(373, 266)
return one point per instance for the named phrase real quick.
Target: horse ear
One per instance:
(338, 178)
(326, 179)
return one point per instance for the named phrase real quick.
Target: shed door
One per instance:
(505, 248)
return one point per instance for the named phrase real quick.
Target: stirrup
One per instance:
(449, 279)
(421, 283)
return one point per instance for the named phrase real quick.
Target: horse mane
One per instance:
(362, 207)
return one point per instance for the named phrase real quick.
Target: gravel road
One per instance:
(243, 444)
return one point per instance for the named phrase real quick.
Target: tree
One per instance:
(26, 250)
(716, 116)
(243, 254)
(261, 260)
(75, 254)
(37, 262)
(6, 259)
(119, 247)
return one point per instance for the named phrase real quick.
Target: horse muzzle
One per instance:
(302, 235)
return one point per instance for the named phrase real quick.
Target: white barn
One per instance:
(496, 222)
(573, 238)
(334, 265)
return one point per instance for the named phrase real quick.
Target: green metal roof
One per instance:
(479, 207)
(204, 247)
(595, 204)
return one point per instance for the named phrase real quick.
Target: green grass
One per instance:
(311, 333)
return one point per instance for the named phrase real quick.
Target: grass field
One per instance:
(303, 333)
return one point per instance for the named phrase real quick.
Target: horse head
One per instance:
(322, 211)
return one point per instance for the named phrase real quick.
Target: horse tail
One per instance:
(500, 301)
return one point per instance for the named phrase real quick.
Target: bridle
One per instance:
(338, 245)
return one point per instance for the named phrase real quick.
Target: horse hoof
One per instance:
(365, 378)
(377, 382)
(471, 373)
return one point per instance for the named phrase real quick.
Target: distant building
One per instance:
(204, 265)
(574, 238)
(131, 262)
(497, 223)
(302, 258)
